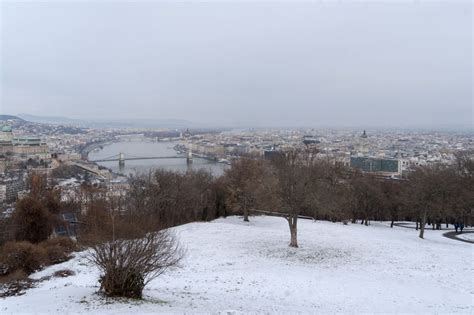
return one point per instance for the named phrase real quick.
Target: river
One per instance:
(150, 148)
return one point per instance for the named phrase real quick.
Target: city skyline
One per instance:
(236, 156)
(241, 64)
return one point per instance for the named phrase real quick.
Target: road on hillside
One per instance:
(452, 234)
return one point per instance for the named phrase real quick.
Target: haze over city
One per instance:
(236, 157)
(346, 63)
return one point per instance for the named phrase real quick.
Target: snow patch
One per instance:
(232, 267)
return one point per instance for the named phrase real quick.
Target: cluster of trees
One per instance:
(25, 244)
(293, 184)
(36, 214)
(296, 183)
(170, 198)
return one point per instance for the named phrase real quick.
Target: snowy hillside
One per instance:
(248, 267)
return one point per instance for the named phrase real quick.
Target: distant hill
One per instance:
(147, 123)
(55, 120)
(112, 123)
(10, 117)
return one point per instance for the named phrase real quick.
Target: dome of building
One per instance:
(6, 129)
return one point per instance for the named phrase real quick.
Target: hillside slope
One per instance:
(247, 267)
(10, 117)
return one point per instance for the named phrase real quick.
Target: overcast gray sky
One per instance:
(405, 63)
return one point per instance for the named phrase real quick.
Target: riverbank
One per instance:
(134, 149)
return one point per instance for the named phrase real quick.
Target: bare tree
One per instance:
(167, 198)
(128, 265)
(32, 221)
(294, 185)
(425, 184)
(392, 201)
(464, 169)
(244, 180)
(367, 196)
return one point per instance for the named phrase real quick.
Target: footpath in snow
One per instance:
(238, 267)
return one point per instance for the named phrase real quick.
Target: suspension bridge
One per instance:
(121, 158)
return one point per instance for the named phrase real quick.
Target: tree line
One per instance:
(293, 184)
(296, 183)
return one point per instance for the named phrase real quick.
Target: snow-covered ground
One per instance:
(232, 266)
(466, 236)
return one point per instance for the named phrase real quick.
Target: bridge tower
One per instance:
(189, 158)
(121, 160)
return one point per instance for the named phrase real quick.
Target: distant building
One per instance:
(187, 134)
(20, 145)
(3, 165)
(67, 225)
(307, 140)
(3, 193)
(271, 154)
(6, 135)
(362, 144)
(376, 165)
(11, 185)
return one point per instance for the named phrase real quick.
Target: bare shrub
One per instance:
(7, 230)
(15, 284)
(56, 254)
(32, 220)
(23, 256)
(63, 273)
(128, 265)
(17, 275)
(97, 224)
(58, 249)
(64, 242)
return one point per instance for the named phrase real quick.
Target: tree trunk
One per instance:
(422, 224)
(246, 215)
(391, 224)
(292, 222)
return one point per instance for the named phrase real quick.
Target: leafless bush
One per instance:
(63, 273)
(66, 243)
(17, 275)
(128, 265)
(58, 249)
(22, 256)
(32, 220)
